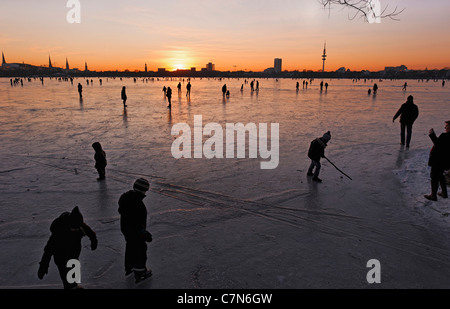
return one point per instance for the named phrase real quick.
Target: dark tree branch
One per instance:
(370, 10)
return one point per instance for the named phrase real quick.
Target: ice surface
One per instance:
(225, 223)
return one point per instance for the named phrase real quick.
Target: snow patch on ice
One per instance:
(414, 177)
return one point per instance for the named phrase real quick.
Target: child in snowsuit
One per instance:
(100, 160)
(317, 151)
(133, 225)
(65, 244)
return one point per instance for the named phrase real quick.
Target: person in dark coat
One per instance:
(315, 153)
(169, 97)
(64, 244)
(133, 225)
(100, 160)
(80, 90)
(409, 113)
(439, 161)
(124, 96)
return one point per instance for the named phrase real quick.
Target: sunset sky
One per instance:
(233, 34)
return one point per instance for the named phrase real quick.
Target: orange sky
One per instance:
(233, 34)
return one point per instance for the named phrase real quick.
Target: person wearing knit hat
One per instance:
(64, 244)
(315, 153)
(133, 225)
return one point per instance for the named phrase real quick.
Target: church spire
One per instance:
(67, 64)
(3, 59)
(50, 62)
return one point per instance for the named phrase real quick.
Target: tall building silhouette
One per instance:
(324, 56)
(278, 65)
(3, 59)
(210, 67)
(50, 62)
(146, 68)
(67, 64)
(85, 66)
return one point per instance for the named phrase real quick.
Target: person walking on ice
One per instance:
(409, 113)
(439, 161)
(133, 225)
(124, 97)
(100, 160)
(64, 244)
(315, 153)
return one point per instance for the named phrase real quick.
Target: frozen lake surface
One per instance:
(226, 223)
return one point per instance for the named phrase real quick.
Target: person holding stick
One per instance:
(315, 153)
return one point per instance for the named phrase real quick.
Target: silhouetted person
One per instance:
(64, 244)
(257, 85)
(315, 153)
(409, 113)
(326, 86)
(297, 86)
(124, 97)
(133, 225)
(179, 88)
(224, 89)
(369, 91)
(100, 160)
(404, 86)
(188, 89)
(165, 91)
(375, 89)
(439, 161)
(169, 96)
(321, 85)
(80, 90)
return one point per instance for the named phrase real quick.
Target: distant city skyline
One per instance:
(234, 35)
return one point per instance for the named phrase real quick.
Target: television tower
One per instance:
(324, 56)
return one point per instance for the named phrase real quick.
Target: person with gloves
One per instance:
(133, 225)
(64, 244)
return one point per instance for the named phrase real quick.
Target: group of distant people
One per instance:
(439, 158)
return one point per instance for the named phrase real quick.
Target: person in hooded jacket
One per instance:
(409, 113)
(315, 153)
(133, 225)
(64, 244)
(100, 160)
